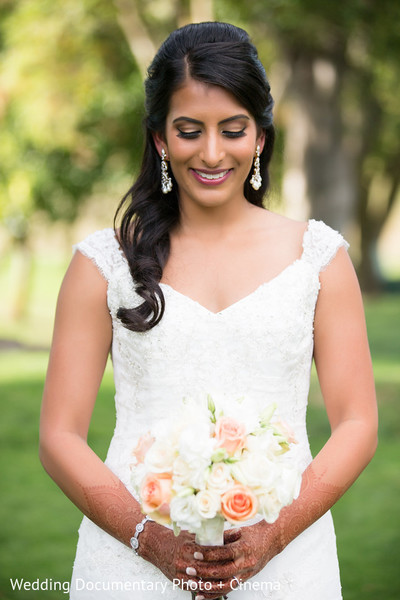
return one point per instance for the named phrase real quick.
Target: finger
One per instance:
(207, 588)
(218, 553)
(232, 535)
(216, 571)
(188, 550)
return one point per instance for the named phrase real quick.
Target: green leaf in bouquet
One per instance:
(176, 529)
(231, 460)
(188, 491)
(211, 408)
(219, 455)
(266, 414)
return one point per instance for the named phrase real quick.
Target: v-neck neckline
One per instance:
(261, 286)
(245, 298)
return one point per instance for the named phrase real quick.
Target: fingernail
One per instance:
(191, 571)
(198, 556)
(192, 584)
(200, 598)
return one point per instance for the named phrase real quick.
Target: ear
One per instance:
(159, 142)
(261, 140)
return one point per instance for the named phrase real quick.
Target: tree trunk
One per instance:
(139, 39)
(372, 223)
(315, 146)
(23, 265)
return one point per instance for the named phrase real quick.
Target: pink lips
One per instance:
(215, 177)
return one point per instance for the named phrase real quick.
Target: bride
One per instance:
(199, 289)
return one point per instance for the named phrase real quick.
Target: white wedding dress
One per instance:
(260, 347)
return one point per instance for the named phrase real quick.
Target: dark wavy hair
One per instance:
(213, 53)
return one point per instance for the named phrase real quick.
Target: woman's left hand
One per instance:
(221, 569)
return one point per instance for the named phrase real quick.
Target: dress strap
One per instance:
(102, 248)
(321, 243)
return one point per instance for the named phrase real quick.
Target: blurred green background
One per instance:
(71, 105)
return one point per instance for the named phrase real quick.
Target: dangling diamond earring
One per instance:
(166, 183)
(256, 180)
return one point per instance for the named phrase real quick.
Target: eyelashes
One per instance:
(234, 134)
(188, 135)
(191, 135)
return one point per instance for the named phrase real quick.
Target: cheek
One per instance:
(245, 155)
(179, 149)
(179, 156)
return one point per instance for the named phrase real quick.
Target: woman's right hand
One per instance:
(178, 556)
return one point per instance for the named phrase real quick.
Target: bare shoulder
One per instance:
(339, 275)
(83, 286)
(83, 271)
(340, 299)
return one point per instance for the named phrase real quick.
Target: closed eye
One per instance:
(235, 134)
(188, 135)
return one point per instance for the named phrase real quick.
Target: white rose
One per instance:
(288, 487)
(220, 479)
(256, 471)
(265, 443)
(269, 506)
(208, 504)
(181, 475)
(198, 473)
(196, 444)
(159, 457)
(184, 512)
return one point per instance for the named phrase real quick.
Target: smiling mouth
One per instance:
(211, 176)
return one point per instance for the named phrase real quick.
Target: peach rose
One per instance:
(238, 504)
(155, 493)
(230, 435)
(144, 443)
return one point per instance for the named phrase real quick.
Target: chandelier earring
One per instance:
(256, 179)
(166, 183)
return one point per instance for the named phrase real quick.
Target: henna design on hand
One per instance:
(246, 551)
(259, 543)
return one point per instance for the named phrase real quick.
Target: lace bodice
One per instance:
(260, 347)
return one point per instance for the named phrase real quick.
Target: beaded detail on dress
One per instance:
(260, 347)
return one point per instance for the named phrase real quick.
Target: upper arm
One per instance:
(81, 342)
(341, 349)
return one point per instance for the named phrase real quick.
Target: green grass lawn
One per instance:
(39, 525)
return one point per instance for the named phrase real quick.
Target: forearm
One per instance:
(90, 484)
(344, 456)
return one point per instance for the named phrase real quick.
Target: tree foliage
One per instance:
(71, 99)
(71, 107)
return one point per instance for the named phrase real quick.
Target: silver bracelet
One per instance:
(134, 541)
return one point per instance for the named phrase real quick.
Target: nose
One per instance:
(212, 152)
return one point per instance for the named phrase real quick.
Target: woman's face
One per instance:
(210, 141)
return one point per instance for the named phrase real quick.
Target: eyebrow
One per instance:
(190, 120)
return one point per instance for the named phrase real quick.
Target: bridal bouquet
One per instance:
(209, 466)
